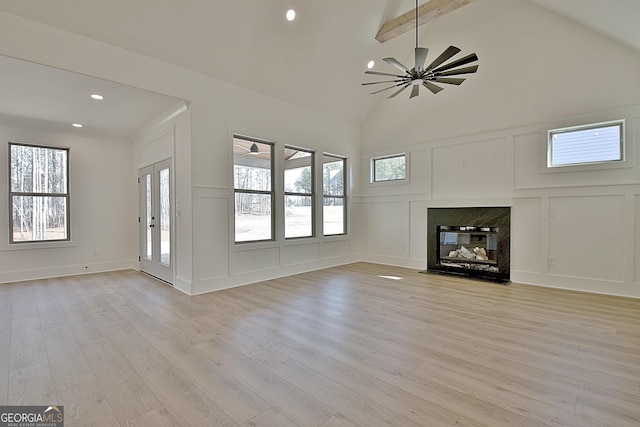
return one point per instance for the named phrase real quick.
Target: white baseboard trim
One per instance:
(63, 270)
(183, 285)
(226, 282)
(190, 287)
(418, 264)
(580, 284)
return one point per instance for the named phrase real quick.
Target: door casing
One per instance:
(155, 220)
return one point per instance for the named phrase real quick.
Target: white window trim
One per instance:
(626, 150)
(234, 191)
(312, 194)
(404, 180)
(345, 196)
(39, 244)
(278, 216)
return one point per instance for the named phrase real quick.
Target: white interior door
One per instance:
(156, 228)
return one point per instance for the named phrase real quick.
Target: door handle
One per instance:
(151, 225)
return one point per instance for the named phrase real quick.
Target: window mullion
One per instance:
(38, 211)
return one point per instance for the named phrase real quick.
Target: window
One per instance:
(589, 144)
(253, 188)
(333, 195)
(389, 168)
(39, 193)
(298, 193)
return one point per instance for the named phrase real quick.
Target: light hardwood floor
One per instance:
(340, 347)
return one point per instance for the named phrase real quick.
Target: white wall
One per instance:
(217, 109)
(168, 137)
(100, 193)
(220, 263)
(483, 144)
(534, 66)
(587, 221)
(477, 144)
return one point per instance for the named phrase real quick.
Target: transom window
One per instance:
(588, 144)
(253, 188)
(389, 168)
(38, 194)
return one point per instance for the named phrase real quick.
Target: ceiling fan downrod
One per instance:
(421, 76)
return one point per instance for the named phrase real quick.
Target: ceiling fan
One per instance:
(249, 151)
(420, 75)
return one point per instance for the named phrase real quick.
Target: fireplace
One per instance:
(473, 242)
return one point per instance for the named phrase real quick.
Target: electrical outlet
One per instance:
(551, 260)
(253, 258)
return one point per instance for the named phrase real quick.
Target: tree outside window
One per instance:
(39, 193)
(253, 187)
(389, 168)
(298, 193)
(333, 195)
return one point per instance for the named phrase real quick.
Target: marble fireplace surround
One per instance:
(498, 217)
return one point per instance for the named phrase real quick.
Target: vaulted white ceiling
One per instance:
(316, 62)
(617, 19)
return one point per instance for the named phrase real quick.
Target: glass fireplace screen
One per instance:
(468, 247)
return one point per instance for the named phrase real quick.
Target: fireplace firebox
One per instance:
(473, 242)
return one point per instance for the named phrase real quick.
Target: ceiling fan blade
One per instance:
(383, 81)
(397, 64)
(386, 88)
(378, 73)
(444, 56)
(421, 56)
(415, 91)
(466, 70)
(406, 85)
(449, 80)
(433, 88)
(462, 61)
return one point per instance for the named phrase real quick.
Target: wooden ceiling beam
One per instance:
(427, 12)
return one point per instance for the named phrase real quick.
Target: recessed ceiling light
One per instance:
(371, 64)
(76, 125)
(97, 96)
(291, 15)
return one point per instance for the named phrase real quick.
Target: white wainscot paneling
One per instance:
(636, 263)
(365, 213)
(255, 260)
(419, 162)
(471, 170)
(389, 228)
(417, 181)
(300, 253)
(418, 231)
(355, 228)
(336, 248)
(526, 160)
(586, 239)
(526, 241)
(211, 235)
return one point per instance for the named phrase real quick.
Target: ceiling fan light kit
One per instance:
(420, 75)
